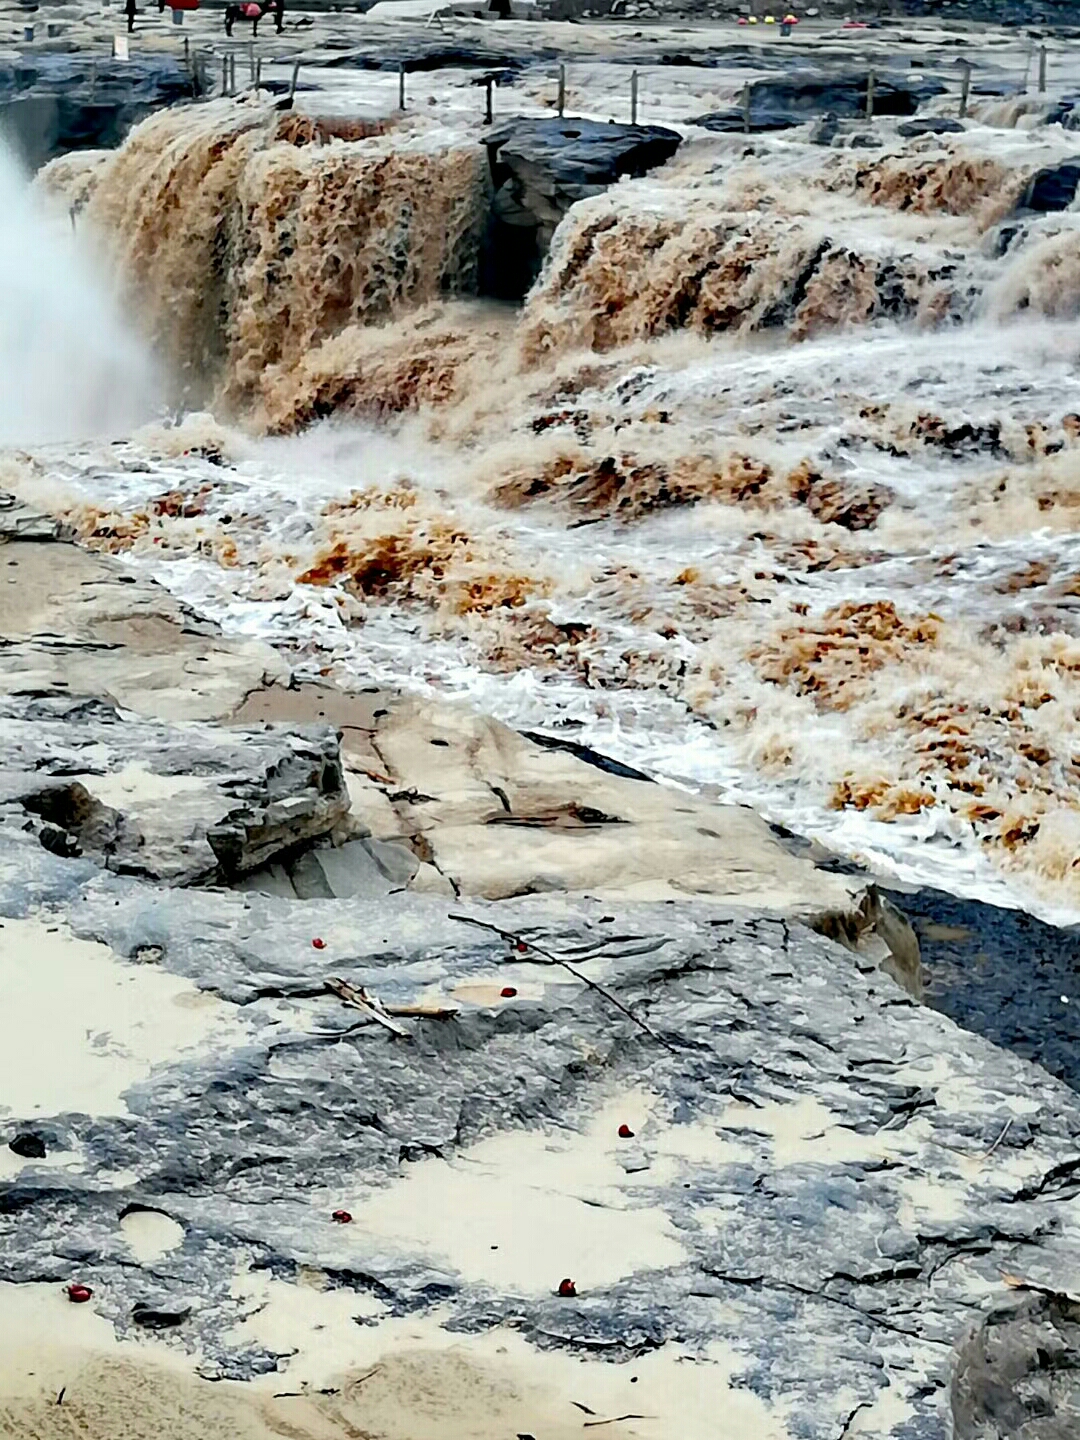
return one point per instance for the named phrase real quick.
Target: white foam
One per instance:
(69, 368)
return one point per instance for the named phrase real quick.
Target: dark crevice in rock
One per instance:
(767, 1282)
(1060, 1183)
(586, 753)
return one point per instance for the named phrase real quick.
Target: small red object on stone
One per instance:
(508, 992)
(567, 1288)
(318, 944)
(520, 945)
(342, 1217)
(625, 1133)
(79, 1294)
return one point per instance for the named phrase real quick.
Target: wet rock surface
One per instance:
(813, 1154)
(539, 168)
(804, 1104)
(1018, 1375)
(182, 805)
(1053, 188)
(569, 154)
(782, 103)
(89, 627)
(930, 125)
(53, 103)
(1004, 974)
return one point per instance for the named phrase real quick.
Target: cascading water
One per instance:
(245, 240)
(834, 578)
(70, 368)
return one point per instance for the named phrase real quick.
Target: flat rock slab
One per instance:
(82, 624)
(812, 1154)
(930, 125)
(53, 103)
(463, 805)
(581, 152)
(541, 167)
(158, 78)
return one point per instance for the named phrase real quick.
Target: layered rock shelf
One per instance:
(687, 1126)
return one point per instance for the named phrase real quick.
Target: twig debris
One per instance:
(368, 1005)
(552, 957)
(1001, 1137)
(592, 1424)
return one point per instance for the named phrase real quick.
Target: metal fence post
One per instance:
(965, 87)
(633, 96)
(1042, 70)
(562, 91)
(401, 86)
(870, 95)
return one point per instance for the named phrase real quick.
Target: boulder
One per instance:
(930, 125)
(1017, 1372)
(539, 168)
(571, 157)
(1053, 188)
(781, 103)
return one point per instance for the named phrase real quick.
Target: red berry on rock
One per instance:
(342, 1217)
(567, 1288)
(79, 1294)
(625, 1133)
(508, 992)
(520, 945)
(318, 944)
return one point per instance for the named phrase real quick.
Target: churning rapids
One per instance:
(771, 486)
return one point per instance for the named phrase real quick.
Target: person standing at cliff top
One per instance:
(279, 15)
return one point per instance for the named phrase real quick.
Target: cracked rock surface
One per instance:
(179, 804)
(814, 1155)
(780, 1198)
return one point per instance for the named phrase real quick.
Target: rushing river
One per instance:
(770, 487)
